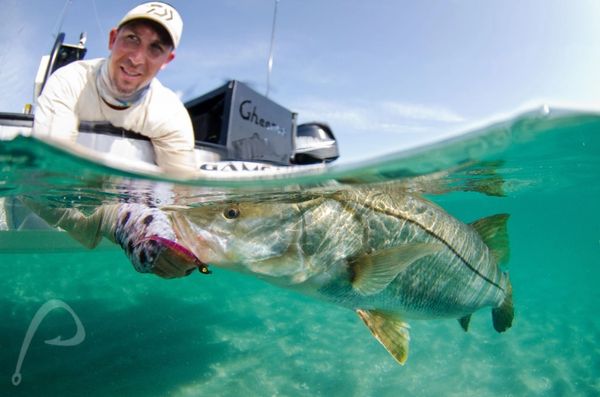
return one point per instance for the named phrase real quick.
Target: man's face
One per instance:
(137, 54)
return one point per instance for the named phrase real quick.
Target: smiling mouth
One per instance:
(130, 74)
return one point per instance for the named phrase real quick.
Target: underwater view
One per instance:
(76, 321)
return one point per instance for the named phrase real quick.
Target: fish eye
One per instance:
(231, 213)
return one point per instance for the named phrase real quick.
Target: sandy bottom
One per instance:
(231, 335)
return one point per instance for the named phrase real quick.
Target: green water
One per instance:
(232, 335)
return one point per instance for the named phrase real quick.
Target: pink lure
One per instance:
(181, 251)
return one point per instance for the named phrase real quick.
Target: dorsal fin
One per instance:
(494, 233)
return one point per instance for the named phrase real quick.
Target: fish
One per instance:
(390, 255)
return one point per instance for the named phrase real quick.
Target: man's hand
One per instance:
(150, 243)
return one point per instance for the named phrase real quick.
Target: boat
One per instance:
(231, 123)
(237, 131)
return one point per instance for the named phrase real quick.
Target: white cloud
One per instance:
(223, 55)
(421, 112)
(17, 86)
(391, 117)
(17, 66)
(199, 69)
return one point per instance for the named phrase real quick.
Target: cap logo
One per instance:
(161, 13)
(155, 9)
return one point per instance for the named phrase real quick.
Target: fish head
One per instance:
(257, 237)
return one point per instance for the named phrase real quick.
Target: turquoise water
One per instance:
(230, 334)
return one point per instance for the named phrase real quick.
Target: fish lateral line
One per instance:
(426, 230)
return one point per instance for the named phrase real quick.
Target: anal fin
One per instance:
(389, 330)
(464, 322)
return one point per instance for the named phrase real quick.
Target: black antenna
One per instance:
(61, 18)
(270, 62)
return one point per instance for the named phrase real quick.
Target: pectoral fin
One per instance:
(389, 330)
(372, 273)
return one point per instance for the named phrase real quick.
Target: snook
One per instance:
(389, 256)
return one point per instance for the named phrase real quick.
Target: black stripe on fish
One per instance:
(437, 237)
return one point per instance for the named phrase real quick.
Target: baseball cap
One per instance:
(162, 13)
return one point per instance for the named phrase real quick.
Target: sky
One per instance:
(385, 75)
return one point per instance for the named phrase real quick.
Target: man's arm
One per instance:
(173, 135)
(145, 234)
(55, 111)
(86, 229)
(174, 154)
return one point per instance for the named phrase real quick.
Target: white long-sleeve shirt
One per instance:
(71, 95)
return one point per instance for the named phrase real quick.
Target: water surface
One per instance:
(230, 334)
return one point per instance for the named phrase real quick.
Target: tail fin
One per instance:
(503, 315)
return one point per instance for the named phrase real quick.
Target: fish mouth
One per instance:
(184, 254)
(203, 245)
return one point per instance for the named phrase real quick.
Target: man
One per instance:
(122, 89)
